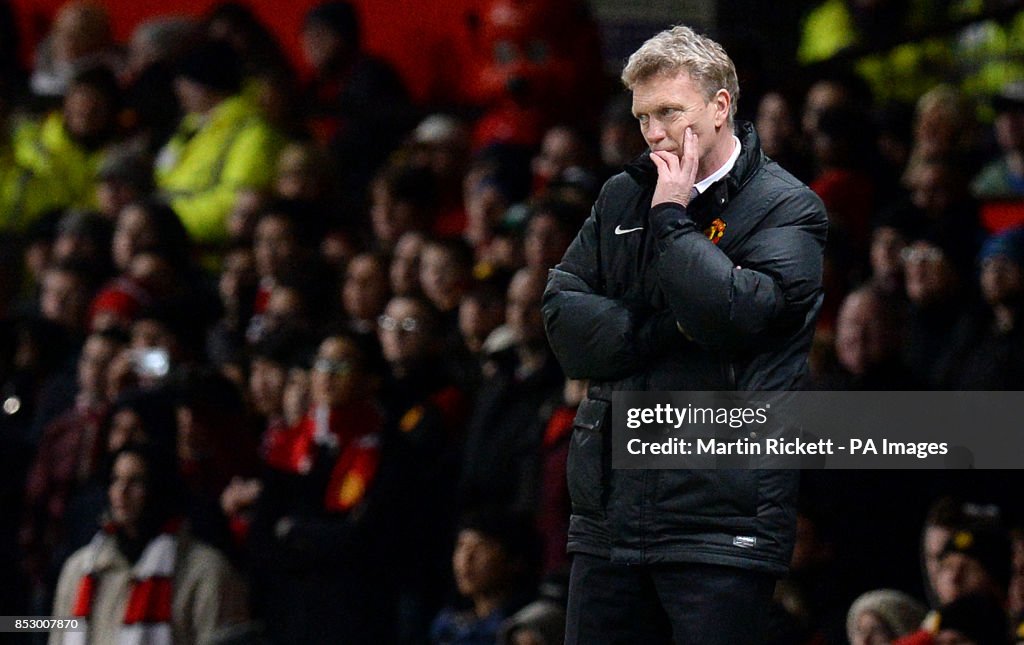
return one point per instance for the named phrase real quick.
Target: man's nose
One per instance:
(655, 132)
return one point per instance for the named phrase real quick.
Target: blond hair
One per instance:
(681, 48)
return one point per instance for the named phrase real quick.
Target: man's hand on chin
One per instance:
(676, 176)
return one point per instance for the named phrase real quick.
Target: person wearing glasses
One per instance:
(321, 531)
(427, 411)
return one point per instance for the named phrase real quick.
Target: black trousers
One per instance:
(678, 604)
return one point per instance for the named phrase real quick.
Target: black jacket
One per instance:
(746, 304)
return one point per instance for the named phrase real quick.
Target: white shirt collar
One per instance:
(705, 183)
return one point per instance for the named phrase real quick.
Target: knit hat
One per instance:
(122, 298)
(979, 618)
(900, 612)
(213, 64)
(988, 545)
(542, 617)
(1009, 244)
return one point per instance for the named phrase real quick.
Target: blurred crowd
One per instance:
(272, 365)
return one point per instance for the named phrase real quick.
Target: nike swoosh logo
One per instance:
(622, 231)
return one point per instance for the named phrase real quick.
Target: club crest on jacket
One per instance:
(715, 230)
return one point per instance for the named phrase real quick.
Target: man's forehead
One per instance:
(665, 75)
(662, 86)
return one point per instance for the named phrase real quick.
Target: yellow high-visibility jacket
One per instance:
(24, 194)
(68, 168)
(210, 158)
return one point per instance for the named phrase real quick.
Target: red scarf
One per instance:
(147, 616)
(354, 429)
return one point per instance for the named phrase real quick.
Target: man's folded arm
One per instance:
(719, 304)
(595, 336)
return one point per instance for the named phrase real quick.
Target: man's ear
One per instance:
(723, 103)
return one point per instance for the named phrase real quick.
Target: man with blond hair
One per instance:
(698, 269)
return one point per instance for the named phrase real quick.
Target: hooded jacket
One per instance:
(720, 295)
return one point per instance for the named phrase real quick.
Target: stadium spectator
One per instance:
(404, 272)
(221, 146)
(494, 566)
(937, 314)
(503, 439)
(355, 103)
(404, 199)
(67, 458)
(70, 144)
(879, 617)
(143, 576)
(867, 346)
(122, 178)
(364, 292)
(318, 538)
(80, 38)
(993, 360)
(1003, 178)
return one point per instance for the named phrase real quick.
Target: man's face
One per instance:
(928, 273)
(238, 274)
(479, 563)
(336, 375)
(405, 264)
(960, 575)
(932, 188)
(559, 150)
(285, 307)
(149, 333)
(390, 218)
(823, 95)
(92, 365)
(441, 278)
(478, 318)
(365, 290)
(274, 246)
(545, 242)
(774, 122)
(1010, 130)
(522, 310)
(935, 538)
(62, 299)
(667, 104)
(266, 385)
(402, 332)
(886, 245)
(320, 44)
(1002, 280)
(86, 111)
(133, 233)
(194, 97)
(862, 340)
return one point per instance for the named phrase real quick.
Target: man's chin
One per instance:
(672, 152)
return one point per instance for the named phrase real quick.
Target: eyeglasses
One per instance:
(408, 324)
(926, 254)
(329, 366)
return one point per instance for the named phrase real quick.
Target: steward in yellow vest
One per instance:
(222, 145)
(57, 160)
